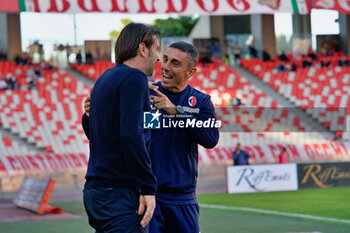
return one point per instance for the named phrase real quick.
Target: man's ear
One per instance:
(143, 50)
(192, 71)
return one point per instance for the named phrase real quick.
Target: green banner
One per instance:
(22, 5)
(295, 6)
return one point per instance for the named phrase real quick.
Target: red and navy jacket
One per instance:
(174, 151)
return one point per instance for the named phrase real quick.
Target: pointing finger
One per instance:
(160, 94)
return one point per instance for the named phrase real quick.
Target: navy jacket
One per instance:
(240, 159)
(174, 151)
(118, 143)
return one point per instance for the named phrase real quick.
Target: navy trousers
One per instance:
(170, 218)
(113, 210)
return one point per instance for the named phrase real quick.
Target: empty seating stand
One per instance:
(323, 92)
(93, 71)
(49, 116)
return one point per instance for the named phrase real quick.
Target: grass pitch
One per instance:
(331, 203)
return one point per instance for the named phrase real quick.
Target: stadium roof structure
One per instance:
(181, 7)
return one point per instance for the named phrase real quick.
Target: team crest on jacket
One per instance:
(192, 101)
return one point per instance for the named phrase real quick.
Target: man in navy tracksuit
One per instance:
(174, 150)
(239, 156)
(120, 186)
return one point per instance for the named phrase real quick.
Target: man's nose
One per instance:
(165, 66)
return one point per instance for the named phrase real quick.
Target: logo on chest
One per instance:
(192, 101)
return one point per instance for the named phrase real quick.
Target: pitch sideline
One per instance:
(246, 209)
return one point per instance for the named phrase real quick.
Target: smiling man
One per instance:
(174, 151)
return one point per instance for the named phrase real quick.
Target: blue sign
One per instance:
(151, 120)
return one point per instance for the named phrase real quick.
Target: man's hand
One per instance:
(161, 101)
(87, 106)
(148, 203)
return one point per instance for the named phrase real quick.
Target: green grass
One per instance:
(334, 203)
(331, 203)
(216, 221)
(211, 221)
(47, 226)
(71, 207)
(53, 226)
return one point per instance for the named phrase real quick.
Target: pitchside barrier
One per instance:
(287, 177)
(34, 194)
(262, 178)
(323, 175)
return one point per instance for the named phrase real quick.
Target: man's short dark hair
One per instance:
(129, 39)
(191, 50)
